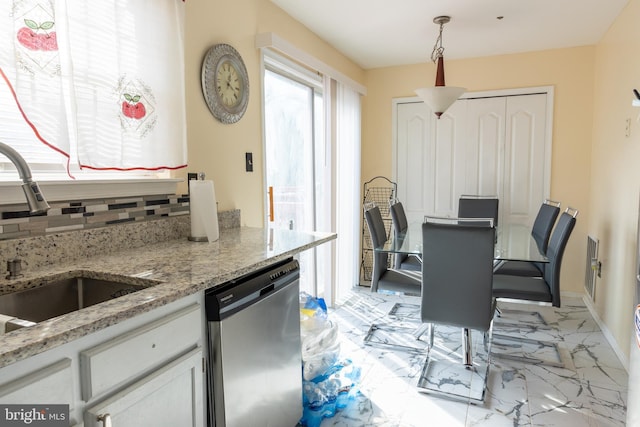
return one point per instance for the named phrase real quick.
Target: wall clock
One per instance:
(225, 83)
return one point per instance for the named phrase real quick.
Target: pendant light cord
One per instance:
(438, 50)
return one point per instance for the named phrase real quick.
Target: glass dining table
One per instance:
(514, 242)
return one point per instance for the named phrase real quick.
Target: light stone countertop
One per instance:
(182, 268)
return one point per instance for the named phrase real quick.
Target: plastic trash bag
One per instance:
(329, 393)
(329, 383)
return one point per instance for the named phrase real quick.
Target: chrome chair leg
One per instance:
(432, 329)
(421, 330)
(466, 347)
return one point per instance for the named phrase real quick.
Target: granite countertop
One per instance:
(181, 267)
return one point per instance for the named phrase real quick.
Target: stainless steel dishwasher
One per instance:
(253, 324)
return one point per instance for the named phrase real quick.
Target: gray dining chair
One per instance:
(547, 287)
(478, 206)
(454, 296)
(400, 225)
(383, 277)
(541, 232)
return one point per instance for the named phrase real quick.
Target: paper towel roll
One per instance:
(204, 212)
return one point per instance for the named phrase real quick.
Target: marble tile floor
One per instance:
(588, 389)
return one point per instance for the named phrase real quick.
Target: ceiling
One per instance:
(382, 33)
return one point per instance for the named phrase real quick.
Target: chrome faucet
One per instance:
(35, 199)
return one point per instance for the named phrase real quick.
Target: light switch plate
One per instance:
(248, 160)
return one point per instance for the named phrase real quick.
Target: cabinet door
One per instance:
(171, 396)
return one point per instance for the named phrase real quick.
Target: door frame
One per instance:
(548, 137)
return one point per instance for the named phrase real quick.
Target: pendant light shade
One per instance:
(440, 97)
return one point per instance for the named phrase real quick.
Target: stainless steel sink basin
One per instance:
(61, 296)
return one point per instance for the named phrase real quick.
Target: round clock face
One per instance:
(225, 83)
(228, 84)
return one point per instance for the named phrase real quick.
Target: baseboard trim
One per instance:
(603, 327)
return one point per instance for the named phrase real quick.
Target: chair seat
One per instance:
(405, 281)
(519, 287)
(411, 263)
(519, 268)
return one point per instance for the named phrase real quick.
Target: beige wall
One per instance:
(571, 73)
(615, 168)
(218, 149)
(592, 100)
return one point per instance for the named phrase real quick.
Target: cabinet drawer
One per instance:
(126, 357)
(35, 388)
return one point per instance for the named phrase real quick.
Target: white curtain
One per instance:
(103, 81)
(348, 188)
(31, 98)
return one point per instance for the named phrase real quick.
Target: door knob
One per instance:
(106, 420)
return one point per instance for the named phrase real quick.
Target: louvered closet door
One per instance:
(479, 146)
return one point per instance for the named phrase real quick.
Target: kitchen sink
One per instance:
(61, 296)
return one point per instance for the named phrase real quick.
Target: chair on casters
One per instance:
(384, 278)
(400, 225)
(459, 297)
(540, 289)
(541, 231)
(472, 206)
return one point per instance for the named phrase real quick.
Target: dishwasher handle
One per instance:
(267, 289)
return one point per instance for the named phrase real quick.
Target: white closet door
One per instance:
(524, 158)
(415, 137)
(430, 175)
(485, 146)
(449, 160)
(488, 146)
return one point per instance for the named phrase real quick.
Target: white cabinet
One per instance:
(35, 387)
(170, 396)
(146, 370)
(115, 362)
(146, 376)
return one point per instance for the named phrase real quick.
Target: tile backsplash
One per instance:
(16, 222)
(78, 229)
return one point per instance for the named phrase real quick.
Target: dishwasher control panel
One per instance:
(230, 297)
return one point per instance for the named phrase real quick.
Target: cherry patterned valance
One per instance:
(101, 82)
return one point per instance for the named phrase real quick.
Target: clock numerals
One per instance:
(228, 84)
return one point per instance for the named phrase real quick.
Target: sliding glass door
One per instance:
(297, 176)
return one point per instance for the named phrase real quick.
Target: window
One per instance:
(93, 86)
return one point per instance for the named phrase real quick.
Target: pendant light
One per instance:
(440, 97)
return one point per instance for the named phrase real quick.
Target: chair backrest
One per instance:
(378, 234)
(478, 207)
(555, 251)
(400, 224)
(457, 272)
(398, 216)
(543, 224)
